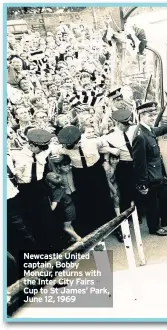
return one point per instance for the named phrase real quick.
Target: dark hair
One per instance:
(65, 161)
(111, 156)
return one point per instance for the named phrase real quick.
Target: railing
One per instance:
(16, 291)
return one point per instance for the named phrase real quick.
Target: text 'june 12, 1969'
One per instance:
(68, 280)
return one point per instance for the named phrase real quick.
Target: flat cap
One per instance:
(122, 116)
(69, 135)
(147, 107)
(39, 136)
(115, 94)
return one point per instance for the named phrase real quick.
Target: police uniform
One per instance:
(31, 169)
(94, 205)
(18, 237)
(124, 169)
(149, 171)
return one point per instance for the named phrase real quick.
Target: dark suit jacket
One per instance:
(148, 165)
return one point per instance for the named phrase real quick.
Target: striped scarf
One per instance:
(90, 98)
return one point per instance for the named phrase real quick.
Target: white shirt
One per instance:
(23, 164)
(117, 139)
(12, 191)
(90, 148)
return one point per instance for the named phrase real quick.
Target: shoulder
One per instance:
(138, 133)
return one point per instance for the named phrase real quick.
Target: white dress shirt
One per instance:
(90, 148)
(23, 164)
(12, 191)
(117, 139)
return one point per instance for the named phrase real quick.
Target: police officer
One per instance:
(93, 196)
(150, 175)
(121, 138)
(31, 167)
(18, 237)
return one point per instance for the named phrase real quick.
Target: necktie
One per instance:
(12, 177)
(83, 160)
(128, 145)
(34, 169)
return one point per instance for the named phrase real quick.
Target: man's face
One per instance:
(63, 121)
(38, 93)
(58, 35)
(149, 118)
(63, 73)
(35, 43)
(58, 81)
(53, 89)
(65, 168)
(68, 88)
(87, 118)
(65, 37)
(23, 114)
(24, 85)
(41, 117)
(65, 107)
(77, 75)
(17, 65)
(89, 132)
(35, 149)
(69, 81)
(38, 103)
(26, 48)
(85, 80)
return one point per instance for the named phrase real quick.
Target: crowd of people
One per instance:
(71, 162)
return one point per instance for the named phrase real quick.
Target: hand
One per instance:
(117, 152)
(106, 166)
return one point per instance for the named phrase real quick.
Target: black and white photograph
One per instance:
(86, 142)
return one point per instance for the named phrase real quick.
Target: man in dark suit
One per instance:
(150, 175)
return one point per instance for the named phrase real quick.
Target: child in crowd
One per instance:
(62, 190)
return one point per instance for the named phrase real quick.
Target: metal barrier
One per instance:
(16, 291)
